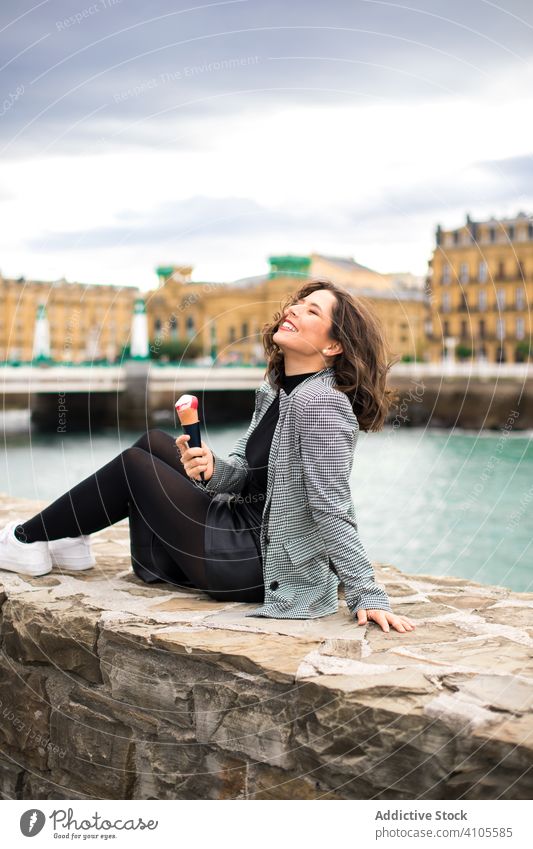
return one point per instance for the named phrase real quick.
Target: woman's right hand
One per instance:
(196, 460)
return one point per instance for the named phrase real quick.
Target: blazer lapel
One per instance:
(285, 401)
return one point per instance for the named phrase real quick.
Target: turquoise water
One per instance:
(427, 501)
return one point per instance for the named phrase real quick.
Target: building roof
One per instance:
(68, 284)
(469, 222)
(346, 262)
(249, 282)
(388, 295)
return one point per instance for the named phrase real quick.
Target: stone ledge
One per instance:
(111, 688)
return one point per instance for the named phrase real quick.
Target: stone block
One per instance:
(96, 749)
(24, 714)
(11, 779)
(169, 768)
(40, 628)
(142, 691)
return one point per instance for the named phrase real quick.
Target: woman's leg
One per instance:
(85, 507)
(150, 560)
(169, 503)
(240, 579)
(162, 445)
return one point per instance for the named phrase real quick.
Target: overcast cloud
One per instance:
(220, 133)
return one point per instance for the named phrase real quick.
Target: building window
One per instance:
(481, 327)
(483, 271)
(482, 299)
(446, 302)
(520, 270)
(446, 273)
(464, 329)
(446, 328)
(231, 335)
(500, 298)
(530, 230)
(173, 324)
(189, 327)
(157, 325)
(519, 298)
(244, 330)
(511, 232)
(501, 271)
(463, 272)
(456, 237)
(500, 328)
(519, 330)
(492, 234)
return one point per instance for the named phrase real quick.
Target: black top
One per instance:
(253, 494)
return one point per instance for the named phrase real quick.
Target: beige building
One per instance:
(87, 322)
(220, 322)
(398, 299)
(225, 319)
(345, 271)
(481, 288)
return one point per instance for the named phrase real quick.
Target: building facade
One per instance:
(218, 323)
(480, 285)
(87, 322)
(225, 320)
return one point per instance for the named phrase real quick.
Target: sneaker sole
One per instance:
(30, 572)
(77, 566)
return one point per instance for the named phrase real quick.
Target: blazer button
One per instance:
(274, 585)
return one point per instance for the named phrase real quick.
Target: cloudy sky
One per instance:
(215, 134)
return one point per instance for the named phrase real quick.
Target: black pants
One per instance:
(148, 484)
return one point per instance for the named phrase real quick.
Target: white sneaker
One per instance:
(72, 552)
(27, 558)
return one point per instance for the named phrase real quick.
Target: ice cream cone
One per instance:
(187, 409)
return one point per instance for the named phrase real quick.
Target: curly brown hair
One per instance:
(361, 369)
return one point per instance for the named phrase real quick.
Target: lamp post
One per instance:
(41, 337)
(139, 332)
(449, 359)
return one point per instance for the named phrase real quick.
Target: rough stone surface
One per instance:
(110, 688)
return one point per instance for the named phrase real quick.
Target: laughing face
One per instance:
(304, 335)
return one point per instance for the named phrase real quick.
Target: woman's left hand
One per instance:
(385, 618)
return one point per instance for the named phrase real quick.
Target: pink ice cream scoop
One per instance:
(187, 409)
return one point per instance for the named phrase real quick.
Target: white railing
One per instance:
(517, 371)
(34, 379)
(28, 378)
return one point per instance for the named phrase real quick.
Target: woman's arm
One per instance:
(327, 440)
(231, 475)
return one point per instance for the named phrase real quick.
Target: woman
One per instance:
(275, 523)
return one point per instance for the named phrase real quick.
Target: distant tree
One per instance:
(462, 352)
(524, 351)
(174, 350)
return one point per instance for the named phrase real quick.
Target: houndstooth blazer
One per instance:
(309, 537)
